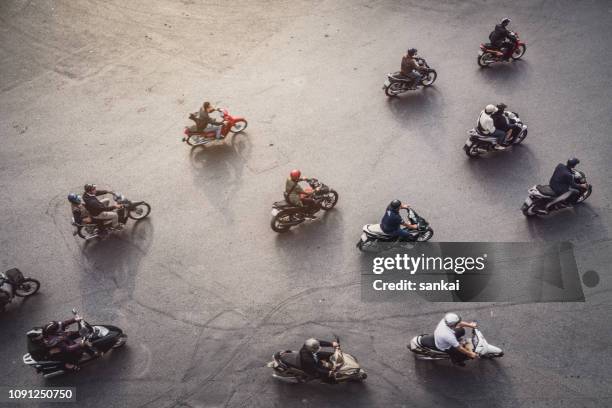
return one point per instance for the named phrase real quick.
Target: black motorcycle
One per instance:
(286, 215)
(372, 233)
(396, 84)
(13, 283)
(135, 210)
(543, 200)
(103, 338)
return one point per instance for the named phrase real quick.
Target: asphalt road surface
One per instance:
(99, 91)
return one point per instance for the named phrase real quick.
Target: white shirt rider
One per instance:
(486, 123)
(444, 337)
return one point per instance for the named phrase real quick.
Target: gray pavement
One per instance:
(99, 92)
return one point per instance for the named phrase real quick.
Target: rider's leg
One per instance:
(109, 215)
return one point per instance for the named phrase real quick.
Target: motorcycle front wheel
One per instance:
(278, 221)
(139, 211)
(394, 89)
(430, 78)
(27, 287)
(521, 137)
(519, 52)
(330, 200)
(239, 126)
(585, 195)
(485, 59)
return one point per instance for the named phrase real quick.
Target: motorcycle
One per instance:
(478, 143)
(102, 337)
(135, 210)
(372, 233)
(287, 367)
(234, 124)
(489, 54)
(395, 84)
(424, 347)
(286, 215)
(13, 283)
(542, 196)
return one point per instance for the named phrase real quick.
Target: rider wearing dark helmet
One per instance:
(392, 222)
(62, 344)
(296, 195)
(564, 184)
(501, 36)
(410, 68)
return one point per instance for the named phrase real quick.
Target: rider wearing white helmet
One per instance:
(486, 126)
(447, 335)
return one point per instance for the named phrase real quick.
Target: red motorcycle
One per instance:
(489, 54)
(234, 124)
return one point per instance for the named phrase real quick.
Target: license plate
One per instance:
(364, 237)
(274, 212)
(387, 82)
(528, 201)
(468, 143)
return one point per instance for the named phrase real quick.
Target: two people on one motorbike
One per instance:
(502, 38)
(392, 222)
(205, 123)
(296, 195)
(410, 69)
(449, 337)
(57, 343)
(99, 209)
(315, 362)
(564, 184)
(494, 121)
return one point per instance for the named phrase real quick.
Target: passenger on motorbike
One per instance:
(501, 38)
(392, 222)
(509, 122)
(62, 344)
(564, 184)
(315, 362)
(295, 195)
(101, 209)
(79, 212)
(448, 337)
(204, 122)
(486, 126)
(410, 69)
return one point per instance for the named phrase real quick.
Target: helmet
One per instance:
(295, 174)
(312, 345)
(412, 51)
(50, 328)
(74, 198)
(451, 319)
(395, 204)
(501, 106)
(571, 163)
(490, 109)
(89, 187)
(505, 21)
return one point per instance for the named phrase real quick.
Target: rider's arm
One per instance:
(324, 343)
(471, 325)
(467, 352)
(102, 192)
(67, 323)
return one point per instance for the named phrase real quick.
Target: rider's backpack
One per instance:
(14, 276)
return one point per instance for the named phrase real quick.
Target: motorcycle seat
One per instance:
(374, 229)
(291, 359)
(546, 190)
(282, 204)
(427, 340)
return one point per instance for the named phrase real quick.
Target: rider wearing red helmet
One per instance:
(295, 194)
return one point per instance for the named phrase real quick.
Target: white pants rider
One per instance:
(108, 215)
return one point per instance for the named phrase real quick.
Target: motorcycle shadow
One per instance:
(422, 104)
(581, 222)
(505, 72)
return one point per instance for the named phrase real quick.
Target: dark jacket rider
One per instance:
(500, 37)
(311, 359)
(563, 181)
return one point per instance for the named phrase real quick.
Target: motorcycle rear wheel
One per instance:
(426, 235)
(27, 287)
(330, 202)
(276, 225)
(88, 232)
(528, 210)
(472, 151)
(394, 89)
(519, 52)
(140, 211)
(193, 140)
(485, 59)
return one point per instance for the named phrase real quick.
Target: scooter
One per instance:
(542, 200)
(234, 124)
(489, 54)
(424, 347)
(478, 143)
(102, 337)
(13, 283)
(287, 368)
(373, 235)
(135, 210)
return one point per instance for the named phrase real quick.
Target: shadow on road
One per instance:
(415, 107)
(506, 74)
(582, 222)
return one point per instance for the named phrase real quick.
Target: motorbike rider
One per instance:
(204, 122)
(313, 361)
(510, 123)
(501, 38)
(101, 209)
(448, 338)
(410, 69)
(79, 212)
(62, 344)
(295, 195)
(564, 184)
(392, 222)
(486, 126)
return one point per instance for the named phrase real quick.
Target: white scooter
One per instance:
(424, 347)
